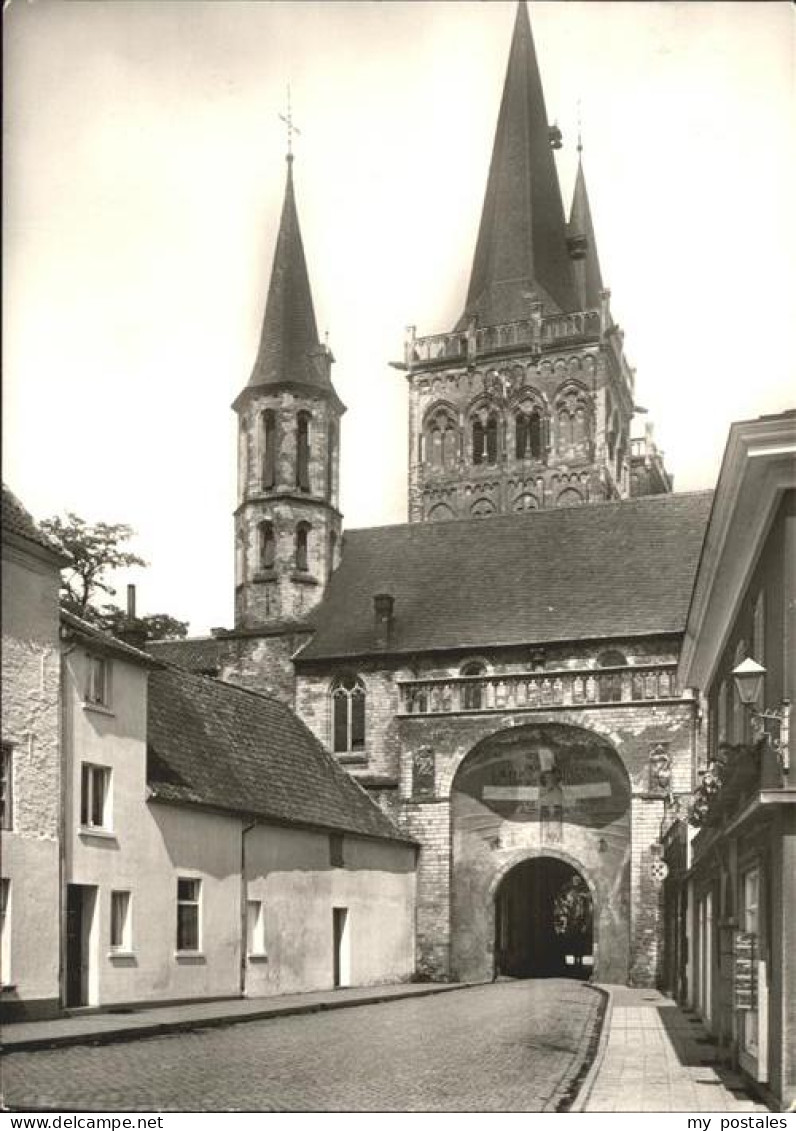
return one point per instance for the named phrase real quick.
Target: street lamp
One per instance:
(748, 677)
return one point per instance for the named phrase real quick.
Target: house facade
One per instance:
(31, 848)
(738, 899)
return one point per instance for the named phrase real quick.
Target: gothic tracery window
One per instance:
(528, 433)
(348, 714)
(573, 418)
(485, 437)
(442, 439)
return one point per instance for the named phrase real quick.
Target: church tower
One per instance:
(287, 521)
(527, 403)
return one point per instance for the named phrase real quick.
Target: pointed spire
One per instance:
(290, 349)
(583, 246)
(522, 239)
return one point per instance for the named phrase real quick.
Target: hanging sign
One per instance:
(744, 974)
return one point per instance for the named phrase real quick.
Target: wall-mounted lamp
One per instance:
(748, 678)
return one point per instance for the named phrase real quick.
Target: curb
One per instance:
(165, 1028)
(579, 1103)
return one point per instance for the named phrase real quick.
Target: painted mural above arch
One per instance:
(533, 773)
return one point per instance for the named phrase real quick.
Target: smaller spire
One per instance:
(581, 242)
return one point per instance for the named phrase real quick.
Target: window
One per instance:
(95, 784)
(485, 438)
(332, 552)
(255, 928)
(348, 714)
(267, 545)
(336, 850)
(7, 787)
(302, 535)
(188, 894)
(269, 448)
(442, 439)
(303, 451)
(98, 681)
(573, 415)
(5, 930)
(528, 434)
(473, 692)
(609, 684)
(120, 921)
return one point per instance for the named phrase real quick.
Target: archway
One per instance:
(544, 921)
(540, 791)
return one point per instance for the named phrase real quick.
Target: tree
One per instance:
(96, 550)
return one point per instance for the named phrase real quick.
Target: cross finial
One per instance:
(291, 128)
(580, 129)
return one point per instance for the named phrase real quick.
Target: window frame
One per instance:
(7, 787)
(186, 902)
(93, 698)
(301, 560)
(255, 930)
(266, 545)
(339, 693)
(89, 772)
(125, 943)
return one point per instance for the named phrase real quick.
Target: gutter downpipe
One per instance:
(243, 903)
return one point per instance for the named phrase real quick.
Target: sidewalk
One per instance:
(655, 1057)
(129, 1023)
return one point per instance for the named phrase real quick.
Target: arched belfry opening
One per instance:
(540, 867)
(544, 921)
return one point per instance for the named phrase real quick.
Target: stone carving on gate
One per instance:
(660, 768)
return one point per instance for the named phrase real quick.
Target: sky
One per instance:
(144, 174)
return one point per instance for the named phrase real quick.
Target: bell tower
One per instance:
(287, 522)
(527, 402)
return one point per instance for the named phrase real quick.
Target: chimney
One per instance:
(132, 631)
(383, 606)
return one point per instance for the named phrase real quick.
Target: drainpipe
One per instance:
(243, 893)
(64, 826)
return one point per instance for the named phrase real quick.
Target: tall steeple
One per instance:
(287, 523)
(583, 246)
(289, 346)
(522, 240)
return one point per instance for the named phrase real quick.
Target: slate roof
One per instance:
(290, 349)
(217, 745)
(597, 571)
(580, 224)
(103, 641)
(522, 239)
(16, 520)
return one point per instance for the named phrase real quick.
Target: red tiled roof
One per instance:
(217, 745)
(592, 572)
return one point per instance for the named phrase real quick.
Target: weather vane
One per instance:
(291, 128)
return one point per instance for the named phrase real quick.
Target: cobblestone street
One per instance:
(513, 1046)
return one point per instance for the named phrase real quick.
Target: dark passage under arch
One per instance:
(544, 921)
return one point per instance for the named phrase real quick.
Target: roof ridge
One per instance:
(530, 515)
